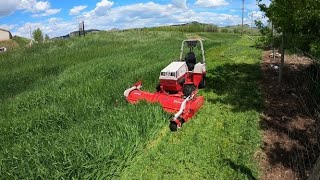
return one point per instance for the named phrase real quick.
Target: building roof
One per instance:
(7, 31)
(4, 30)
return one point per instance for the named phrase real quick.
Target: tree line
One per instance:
(296, 24)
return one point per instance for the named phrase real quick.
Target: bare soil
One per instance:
(290, 129)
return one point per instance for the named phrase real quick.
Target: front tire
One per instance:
(188, 89)
(173, 126)
(158, 88)
(203, 82)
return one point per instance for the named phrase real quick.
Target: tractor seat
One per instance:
(190, 60)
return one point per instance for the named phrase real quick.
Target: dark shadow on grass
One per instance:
(240, 168)
(292, 132)
(236, 85)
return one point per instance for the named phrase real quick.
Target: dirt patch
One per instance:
(290, 130)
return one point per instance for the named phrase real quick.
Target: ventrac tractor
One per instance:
(178, 85)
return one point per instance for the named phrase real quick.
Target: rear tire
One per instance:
(203, 82)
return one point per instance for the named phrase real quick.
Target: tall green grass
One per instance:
(222, 140)
(62, 110)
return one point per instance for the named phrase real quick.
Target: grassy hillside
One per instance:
(63, 114)
(189, 27)
(15, 42)
(237, 29)
(220, 142)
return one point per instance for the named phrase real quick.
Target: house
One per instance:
(5, 35)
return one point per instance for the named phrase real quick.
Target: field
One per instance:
(63, 114)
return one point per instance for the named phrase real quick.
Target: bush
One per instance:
(315, 49)
(224, 30)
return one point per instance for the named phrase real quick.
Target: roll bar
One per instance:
(191, 44)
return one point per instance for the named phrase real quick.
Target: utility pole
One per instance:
(252, 21)
(242, 17)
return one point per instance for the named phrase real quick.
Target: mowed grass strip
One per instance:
(62, 110)
(220, 142)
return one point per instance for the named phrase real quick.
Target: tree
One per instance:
(297, 21)
(38, 35)
(46, 37)
(282, 15)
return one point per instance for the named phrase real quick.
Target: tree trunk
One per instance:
(272, 45)
(316, 171)
(282, 58)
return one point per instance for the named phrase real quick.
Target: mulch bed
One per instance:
(289, 121)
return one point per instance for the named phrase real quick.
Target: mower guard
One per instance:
(184, 108)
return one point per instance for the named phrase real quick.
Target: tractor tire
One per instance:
(203, 83)
(158, 88)
(173, 126)
(188, 89)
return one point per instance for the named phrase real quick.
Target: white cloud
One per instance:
(37, 8)
(131, 16)
(53, 27)
(211, 3)
(76, 10)
(8, 7)
(152, 14)
(102, 7)
(34, 6)
(258, 15)
(180, 3)
(53, 20)
(47, 12)
(42, 6)
(7, 26)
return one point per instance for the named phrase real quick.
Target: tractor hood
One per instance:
(174, 71)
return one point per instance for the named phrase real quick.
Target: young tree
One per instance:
(46, 37)
(281, 13)
(38, 35)
(298, 22)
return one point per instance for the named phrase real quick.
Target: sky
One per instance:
(60, 17)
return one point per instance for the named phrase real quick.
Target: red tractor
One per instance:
(178, 86)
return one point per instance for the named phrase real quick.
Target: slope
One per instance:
(221, 141)
(62, 111)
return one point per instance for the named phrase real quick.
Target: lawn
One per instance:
(63, 114)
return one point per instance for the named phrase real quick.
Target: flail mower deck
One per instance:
(177, 91)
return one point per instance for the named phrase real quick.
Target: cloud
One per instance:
(211, 3)
(34, 6)
(102, 7)
(8, 7)
(76, 10)
(7, 26)
(180, 3)
(42, 6)
(131, 16)
(47, 12)
(258, 15)
(37, 8)
(53, 27)
(152, 14)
